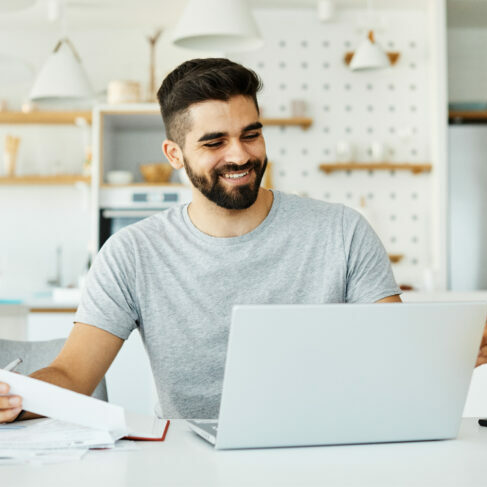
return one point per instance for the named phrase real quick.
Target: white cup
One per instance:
(344, 151)
(298, 108)
(377, 151)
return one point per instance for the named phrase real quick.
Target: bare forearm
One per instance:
(53, 375)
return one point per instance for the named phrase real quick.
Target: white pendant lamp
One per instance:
(369, 56)
(217, 25)
(62, 76)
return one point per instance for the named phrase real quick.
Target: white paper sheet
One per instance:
(51, 434)
(64, 405)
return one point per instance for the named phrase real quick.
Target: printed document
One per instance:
(67, 406)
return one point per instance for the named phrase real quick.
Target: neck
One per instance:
(215, 221)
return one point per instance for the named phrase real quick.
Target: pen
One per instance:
(11, 366)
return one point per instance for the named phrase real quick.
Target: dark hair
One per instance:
(200, 80)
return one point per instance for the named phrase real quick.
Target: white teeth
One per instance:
(236, 176)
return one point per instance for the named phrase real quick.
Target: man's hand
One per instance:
(10, 405)
(482, 358)
(80, 365)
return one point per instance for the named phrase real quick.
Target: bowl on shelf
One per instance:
(157, 172)
(119, 177)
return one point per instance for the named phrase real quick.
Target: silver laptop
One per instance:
(299, 375)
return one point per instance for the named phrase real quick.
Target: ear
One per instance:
(173, 153)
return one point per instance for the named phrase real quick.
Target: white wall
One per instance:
(355, 107)
(467, 64)
(33, 222)
(303, 59)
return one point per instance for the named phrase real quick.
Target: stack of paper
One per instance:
(77, 422)
(49, 434)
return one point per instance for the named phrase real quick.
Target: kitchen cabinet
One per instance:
(13, 322)
(467, 206)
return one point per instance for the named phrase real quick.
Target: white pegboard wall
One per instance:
(303, 59)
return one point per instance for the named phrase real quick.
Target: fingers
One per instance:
(10, 401)
(10, 405)
(9, 415)
(482, 357)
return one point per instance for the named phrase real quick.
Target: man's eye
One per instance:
(251, 136)
(213, 144)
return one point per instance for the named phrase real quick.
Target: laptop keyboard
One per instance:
(210, 426)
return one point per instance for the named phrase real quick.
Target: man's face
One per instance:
(224, 152)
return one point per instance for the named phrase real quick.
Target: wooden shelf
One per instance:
(53, 310)
(467, 116)
(59, 117)
(108, 185)
(302, 122)
(60, 179)
(376, 166)
(43, 117)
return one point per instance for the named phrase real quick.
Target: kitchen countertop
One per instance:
(418, 296)
(44, 302)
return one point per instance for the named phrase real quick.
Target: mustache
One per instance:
(250, 164)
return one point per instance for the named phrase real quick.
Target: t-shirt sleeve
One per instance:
(108, 297)
(369, 273)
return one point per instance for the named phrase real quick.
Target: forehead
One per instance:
(222, 116)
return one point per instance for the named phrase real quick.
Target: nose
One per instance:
(236, 152)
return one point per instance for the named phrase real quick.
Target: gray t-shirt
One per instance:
(178, 285)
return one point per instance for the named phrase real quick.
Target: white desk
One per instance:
(186, 460)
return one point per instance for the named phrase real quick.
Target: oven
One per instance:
(124, 205)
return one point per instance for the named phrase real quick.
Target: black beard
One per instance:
(236, 198)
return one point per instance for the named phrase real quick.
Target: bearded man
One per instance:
(176, 275)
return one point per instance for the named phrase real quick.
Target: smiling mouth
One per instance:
(236, 176)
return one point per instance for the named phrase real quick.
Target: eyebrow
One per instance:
(217, 135)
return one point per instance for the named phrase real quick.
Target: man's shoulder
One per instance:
(310, 213)
(303, 205)
(135, 233)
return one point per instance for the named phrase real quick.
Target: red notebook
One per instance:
(146, 428)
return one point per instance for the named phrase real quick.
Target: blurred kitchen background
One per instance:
(396, 132)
